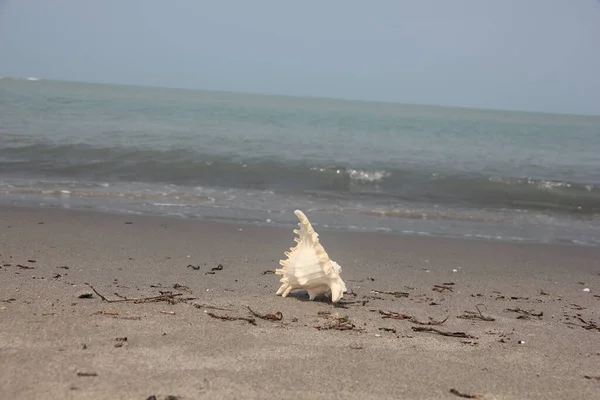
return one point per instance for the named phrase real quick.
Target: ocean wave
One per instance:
(387, 185)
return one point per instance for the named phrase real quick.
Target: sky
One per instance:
(528, 55)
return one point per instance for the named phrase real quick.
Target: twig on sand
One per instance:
(164, 296)
(395, 294)
(230, 318)
(443, 333)
(476, 315)
(592, 377)
(277, 316)
(395, 315)
(465, 395)
(269, 271)
(445, 286)
(589, 325)
(525, 314)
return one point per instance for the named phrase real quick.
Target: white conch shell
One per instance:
(308, 266)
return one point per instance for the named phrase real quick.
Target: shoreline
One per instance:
(536, 347)
(292, 225)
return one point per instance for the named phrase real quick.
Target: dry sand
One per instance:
(49, 336)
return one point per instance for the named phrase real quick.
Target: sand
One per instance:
(56, 345)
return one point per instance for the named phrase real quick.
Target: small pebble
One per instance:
(587, 289)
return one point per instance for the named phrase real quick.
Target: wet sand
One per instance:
(521, 325)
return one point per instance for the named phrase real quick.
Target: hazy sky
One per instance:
(541, 55)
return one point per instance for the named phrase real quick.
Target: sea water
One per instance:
(350, 165)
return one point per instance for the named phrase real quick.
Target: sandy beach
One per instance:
(424, 318)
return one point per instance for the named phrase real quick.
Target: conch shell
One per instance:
(308, 266)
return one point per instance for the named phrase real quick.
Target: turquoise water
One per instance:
(253, 158)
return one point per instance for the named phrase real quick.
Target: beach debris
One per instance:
(184, 288)
(85, 373)
(592, 377)
(395, 315)
(525, 314)
(24, 266)
(267, 272)
(169, 297)
(443, 287)
(588, 325)
(168, 397)
(476, 315)
(465, 395)
(31, 261)
(308, 266)
(212, 270)
(86, 295)
(395, 294)
(251, 321)
(587, 289)
(393, 330)
(210, 307)
(543, 293)
(194, 267)
(277, 316)
(443, 333)
(335, 322)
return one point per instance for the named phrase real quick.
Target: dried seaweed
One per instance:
(212, 270)
(443, 333)
(443, 287)
(395, 315)
(465, 395)
(336, 323)
(476, 315)
(171, 298)
(525, 314)
(589, 325)
(251, 321)
(81, 373)
(395, 294)
(277, 316)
